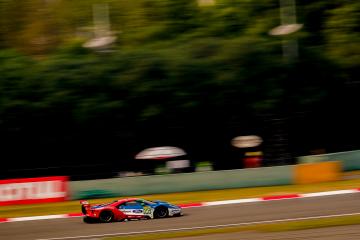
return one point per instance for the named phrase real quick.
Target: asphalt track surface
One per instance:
(73, 228)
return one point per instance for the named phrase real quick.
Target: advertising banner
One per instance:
(33, 190)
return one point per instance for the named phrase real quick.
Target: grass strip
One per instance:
(176, 198)
(271, 227)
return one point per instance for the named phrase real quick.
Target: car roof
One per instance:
(126, 200)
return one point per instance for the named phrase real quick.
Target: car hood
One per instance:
(157, 203)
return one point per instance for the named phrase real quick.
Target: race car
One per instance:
(128, 209)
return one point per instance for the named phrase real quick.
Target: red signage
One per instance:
(33, 190)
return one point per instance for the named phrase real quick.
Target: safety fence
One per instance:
(313, 169)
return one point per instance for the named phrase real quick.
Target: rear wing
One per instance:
(84, 202)
(85, 206)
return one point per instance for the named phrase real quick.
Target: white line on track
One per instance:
(235, 201)
(201, 227)
(20, 219)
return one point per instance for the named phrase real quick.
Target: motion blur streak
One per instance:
(204, 227)
(193, 217)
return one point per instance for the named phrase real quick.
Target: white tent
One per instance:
(160, 153)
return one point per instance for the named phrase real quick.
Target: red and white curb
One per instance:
(281, 197)
(45, 217)
(202, 204)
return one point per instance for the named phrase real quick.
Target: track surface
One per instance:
(194, 217)
(351, 232)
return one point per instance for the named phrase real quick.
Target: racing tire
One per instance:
(88, 220)
(161, 212)
(106, 216)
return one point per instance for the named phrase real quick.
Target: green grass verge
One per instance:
(272, 227)
(176, 198)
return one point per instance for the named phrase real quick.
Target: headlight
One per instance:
(173, 206)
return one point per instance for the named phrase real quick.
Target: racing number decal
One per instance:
(147, 210)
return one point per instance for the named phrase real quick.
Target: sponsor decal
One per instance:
(147, 210)
(137, 211)
(33, 190)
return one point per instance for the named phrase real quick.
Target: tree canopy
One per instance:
(178, 74)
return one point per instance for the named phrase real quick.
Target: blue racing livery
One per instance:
(127, 209)
(151, 209)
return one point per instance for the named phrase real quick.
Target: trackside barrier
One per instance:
(182, 182)
(349, 160)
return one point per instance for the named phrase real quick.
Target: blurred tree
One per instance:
(179, 73)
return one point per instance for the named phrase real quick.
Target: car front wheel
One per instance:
(161, 212)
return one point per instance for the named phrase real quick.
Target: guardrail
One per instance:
(349, 160)
(183, 182)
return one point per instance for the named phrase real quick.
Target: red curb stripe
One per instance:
(188, 205)
(75, 214)
(281, 197)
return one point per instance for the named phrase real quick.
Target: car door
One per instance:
(147, 209)
(132, 209)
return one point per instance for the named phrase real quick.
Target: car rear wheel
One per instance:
(106, 216)
(161, 212)
(88, 220)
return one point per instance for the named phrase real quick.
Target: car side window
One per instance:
(132, 203)
(142, 203)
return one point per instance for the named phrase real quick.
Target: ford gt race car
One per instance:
(127, 209)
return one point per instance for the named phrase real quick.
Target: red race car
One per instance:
(126, 209)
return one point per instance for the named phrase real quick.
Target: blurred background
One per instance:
(87, 85)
